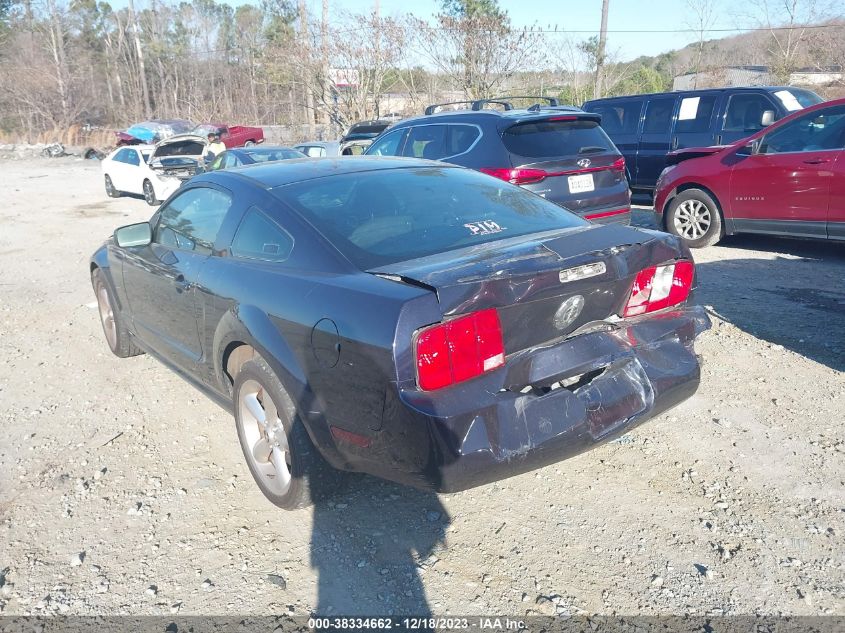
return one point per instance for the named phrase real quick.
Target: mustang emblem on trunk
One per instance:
(585, 162)
(568, 312)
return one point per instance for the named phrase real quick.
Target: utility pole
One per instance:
(324, 45)
(307, 84)
(597, 91)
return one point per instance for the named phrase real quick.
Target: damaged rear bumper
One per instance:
(551, 403)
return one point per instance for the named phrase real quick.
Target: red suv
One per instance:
(787, 179)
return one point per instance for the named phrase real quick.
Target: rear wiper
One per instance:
(590, 149)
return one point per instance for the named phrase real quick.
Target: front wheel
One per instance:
(279, 453)
(117, 336)
(694, 216)
(150, 194)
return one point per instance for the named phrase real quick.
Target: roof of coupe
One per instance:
(276, 174)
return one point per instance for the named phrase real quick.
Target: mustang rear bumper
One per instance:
(530, 414)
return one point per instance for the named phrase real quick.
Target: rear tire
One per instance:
(694, 216)
(278, 451)
(150, 194)
(111, 192)
(119, 339)
(249, 143)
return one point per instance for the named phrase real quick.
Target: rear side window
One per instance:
(548, 139)
(620, 118)
(658, 115)
(695, 114)
(745, 113)
(434, 142)
(132, 157)
(382, 217)
(258, 237)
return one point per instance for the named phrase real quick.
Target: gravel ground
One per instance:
(123, 490)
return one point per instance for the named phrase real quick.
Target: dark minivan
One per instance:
(558, 152)
(646, 128)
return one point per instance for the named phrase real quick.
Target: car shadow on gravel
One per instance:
(371, 547)
(796, 301)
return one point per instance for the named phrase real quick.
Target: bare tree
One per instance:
(702, 14)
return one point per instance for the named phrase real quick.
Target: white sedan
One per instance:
(154, 171)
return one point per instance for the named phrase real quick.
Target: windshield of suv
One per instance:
(551, 139)
(795, 98)
(381, 217)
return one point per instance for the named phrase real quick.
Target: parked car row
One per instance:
(645, 128)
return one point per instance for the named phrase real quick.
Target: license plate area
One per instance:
(581, 183)
(619, 394)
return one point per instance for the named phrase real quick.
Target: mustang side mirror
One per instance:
(139, 234)
(768, 118)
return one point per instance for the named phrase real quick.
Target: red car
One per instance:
(787, 179)
(232, 136)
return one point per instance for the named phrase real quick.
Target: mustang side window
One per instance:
(192, 219)
(259, 237)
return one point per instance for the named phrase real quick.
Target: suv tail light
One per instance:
(516, 176)
(460, 349)
(618, 165)
(660, 287)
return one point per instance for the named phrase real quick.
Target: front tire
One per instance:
(111, 192)
(117, 336)
(150, 194)
(694, 216)
(276, 446)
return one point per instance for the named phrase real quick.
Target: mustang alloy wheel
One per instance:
(117, 336)
(278, 451)
(695, 217)
(265, 436)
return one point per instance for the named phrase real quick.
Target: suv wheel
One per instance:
(694, 216)
(279, 453)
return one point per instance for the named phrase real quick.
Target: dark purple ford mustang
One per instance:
(420, 322)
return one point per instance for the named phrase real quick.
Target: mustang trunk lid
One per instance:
(545, 287)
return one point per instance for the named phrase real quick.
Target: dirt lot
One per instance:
(123, 490)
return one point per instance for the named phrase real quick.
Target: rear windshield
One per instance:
(382, 217)
(551, 139)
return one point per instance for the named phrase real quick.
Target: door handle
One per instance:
(675, 143)
(718, 139)
(816, 161)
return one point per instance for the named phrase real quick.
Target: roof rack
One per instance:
(477, 104)
(552, 101)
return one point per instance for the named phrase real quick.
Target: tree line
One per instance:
(71, 62)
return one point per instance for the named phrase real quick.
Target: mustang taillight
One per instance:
(460, 349)
(660, 287)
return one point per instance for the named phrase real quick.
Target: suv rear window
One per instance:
(382, 217)
(550, 139)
